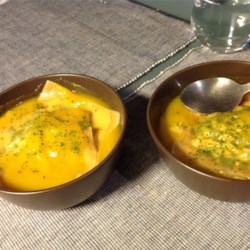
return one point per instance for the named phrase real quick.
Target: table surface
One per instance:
(181, 9)
(132, 48)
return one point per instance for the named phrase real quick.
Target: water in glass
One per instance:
(222, 25)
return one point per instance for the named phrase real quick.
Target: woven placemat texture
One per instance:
(142, 206)
(112, 40)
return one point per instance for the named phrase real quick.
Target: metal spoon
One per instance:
(213, 95)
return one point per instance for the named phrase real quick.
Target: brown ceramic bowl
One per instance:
(204, 183)
(80, 189)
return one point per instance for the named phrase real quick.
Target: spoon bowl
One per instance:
(211, 95)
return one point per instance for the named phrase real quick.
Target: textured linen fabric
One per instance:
(142, 206)
(113, 42)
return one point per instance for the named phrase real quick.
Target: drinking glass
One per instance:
(222, 25)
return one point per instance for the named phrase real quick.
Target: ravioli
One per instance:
(104, 120)
(54, 138)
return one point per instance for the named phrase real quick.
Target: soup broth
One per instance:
(217, 143)
(55, 137)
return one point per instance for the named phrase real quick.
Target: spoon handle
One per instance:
(245, 87)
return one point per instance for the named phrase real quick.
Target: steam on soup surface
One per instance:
(54, 138)
(217, 143)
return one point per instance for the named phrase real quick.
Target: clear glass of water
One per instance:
(222, 25)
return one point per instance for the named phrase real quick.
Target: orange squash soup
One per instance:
(55, 137)
(217, 143)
